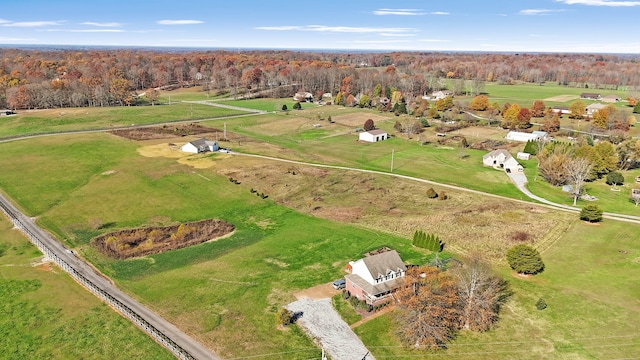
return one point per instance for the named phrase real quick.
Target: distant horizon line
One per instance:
(308, 50)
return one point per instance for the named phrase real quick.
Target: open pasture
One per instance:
(60, 120)
(46, 315)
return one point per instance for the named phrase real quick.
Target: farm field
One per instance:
(552, 94)
(267, 104)
(46, 315)
(29, 122)
(315, 220)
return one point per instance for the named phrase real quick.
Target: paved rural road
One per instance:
(194, 348)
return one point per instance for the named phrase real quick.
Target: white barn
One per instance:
(524, 137)
(200, 145)
(373, 135)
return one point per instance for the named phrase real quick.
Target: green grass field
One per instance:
(79, 186)
(68, 119)
(46, 315)
(268, 104)
(590, 284)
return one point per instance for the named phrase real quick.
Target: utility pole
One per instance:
(392, 155)
(224, 135)
(365, 356)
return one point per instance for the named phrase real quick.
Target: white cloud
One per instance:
(396, 35)
(30, 23)
(407, 12)
(398, 12)
(179, 22)
(538, 11)
(433, 40)
(84, 30)
(600, 2)
(339, 29)
(111, 24)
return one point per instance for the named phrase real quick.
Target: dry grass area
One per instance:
(466, 222)
(357, 119)
(562, 98)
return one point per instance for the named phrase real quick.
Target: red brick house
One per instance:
(375, 278)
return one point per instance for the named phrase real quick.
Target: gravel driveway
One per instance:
(321, 322)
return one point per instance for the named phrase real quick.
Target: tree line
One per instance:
(74, 78)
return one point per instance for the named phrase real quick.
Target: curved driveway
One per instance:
(520, 182)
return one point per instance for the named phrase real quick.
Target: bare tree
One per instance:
(481, 294)
(577, 170)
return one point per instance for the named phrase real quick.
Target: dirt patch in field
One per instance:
(357, 119)
(163, 132)
(562, 98)
(317, 292)
(130, 243)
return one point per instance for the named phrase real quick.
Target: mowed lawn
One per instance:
(526, 94)
(27, 122)
(267, 104)
(44, 314)
(591, 285)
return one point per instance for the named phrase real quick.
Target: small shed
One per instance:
(523, 156)
(373, 135)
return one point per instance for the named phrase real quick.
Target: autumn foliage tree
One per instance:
(577, 109)
(369, 125)
(524, 119)
(428, 309)
(480, 103)
(538, 109)
(481, 295)
(510, 117)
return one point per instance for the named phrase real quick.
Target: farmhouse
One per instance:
(561, 110)
(590, 96)
(501, 158)
(524, 137)
(374, 278)
(611, 99)
(593, 108)
(303, 96)
(200, 145)
(441, 94)
(373, 135)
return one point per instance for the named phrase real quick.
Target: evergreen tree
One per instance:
(525, 259)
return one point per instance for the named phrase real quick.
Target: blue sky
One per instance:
(456, 25)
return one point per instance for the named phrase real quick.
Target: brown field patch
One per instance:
(562, 98)
(282, 126)
(357, 119)
(163, 132)
(130, 243)
(466, 222)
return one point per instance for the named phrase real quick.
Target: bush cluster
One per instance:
(525, 259)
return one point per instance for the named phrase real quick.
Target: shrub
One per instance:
(297, 106)
(591, 213)
(525, 259)
(432, 194)
(442, 196)
(369, 125)
(615, 178)
(284, 107)
(541, 304)
(284, 317)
